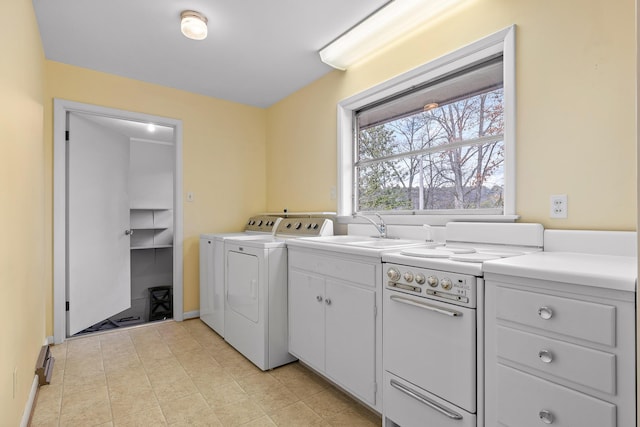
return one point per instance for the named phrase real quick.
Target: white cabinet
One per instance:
(333, 322)
(558, 353)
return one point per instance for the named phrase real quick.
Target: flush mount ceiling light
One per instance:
(392, 20)
(193, 25)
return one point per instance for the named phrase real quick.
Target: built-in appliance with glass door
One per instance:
(256, 291)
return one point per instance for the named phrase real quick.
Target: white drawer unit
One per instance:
(528, 401)
(558, 353)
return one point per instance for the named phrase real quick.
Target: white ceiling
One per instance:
(257, 51)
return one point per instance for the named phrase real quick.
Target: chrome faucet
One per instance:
(381, 228)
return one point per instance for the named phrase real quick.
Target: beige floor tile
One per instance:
(127, 375)
(184, 345)
(152, 364)
(84, 367)
(146, 418)
(79, 383)
(275, 398)
(296, 415)
(257, 383)
(125, 403)
(353, 418)
(260, 422)
(59, 351)
(197, 363)
(172, 384)
(134, 376)
(48, 405)
(121, 361)
(90, 407)
(222, 395)
(305, 386)
(328, 402)
(185, 409)
(239, 413)
(240, 368)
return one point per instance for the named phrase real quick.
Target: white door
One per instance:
(243, 279)
(351, 338)
(306, 318)
(99, 263)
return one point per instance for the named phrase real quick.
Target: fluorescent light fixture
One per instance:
(193, 25)
(382, 27)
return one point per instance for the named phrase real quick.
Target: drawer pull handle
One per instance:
(425, 400)
(319, 298)
(546, 356)
(426, 306)
(546, 416)
(545, 313)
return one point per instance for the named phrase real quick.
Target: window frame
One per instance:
(501, 42)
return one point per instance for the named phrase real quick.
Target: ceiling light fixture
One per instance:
(392, 20)
(430, 106)
(193, 25)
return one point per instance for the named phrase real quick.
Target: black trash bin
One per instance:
(160, 303)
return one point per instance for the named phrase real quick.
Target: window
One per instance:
(438, 140)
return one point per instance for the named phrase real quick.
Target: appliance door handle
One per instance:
(426, 306)
(425, 400)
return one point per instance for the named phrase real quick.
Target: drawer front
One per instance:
(352, 271)
(581, 365)
(561, 315)
(528, 401)
(410, 406)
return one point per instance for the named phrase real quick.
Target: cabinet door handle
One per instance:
(128, 232)
(426, 306)
(545, 313)
(319, 298)
(425, 400)
(546, 356)
(546, 416)
(328, 301)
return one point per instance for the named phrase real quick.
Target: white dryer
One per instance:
(212, 262)
(256, 291)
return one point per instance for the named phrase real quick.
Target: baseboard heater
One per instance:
(44, 366)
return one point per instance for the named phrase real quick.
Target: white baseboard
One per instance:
(30, 402)
(48, 340)
(191, 314)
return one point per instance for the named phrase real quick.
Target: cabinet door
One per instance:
(306, 318)
(350, 338)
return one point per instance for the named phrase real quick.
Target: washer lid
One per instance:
(456, 249)
(426, 253)
(477, 257)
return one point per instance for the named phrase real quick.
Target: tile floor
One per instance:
(183, 374)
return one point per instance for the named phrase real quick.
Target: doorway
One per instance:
(169, 211)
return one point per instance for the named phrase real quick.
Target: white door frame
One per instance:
(60, 109)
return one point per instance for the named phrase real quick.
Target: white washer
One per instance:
(256, 291)
(212, 261)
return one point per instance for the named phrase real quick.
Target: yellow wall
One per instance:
(22, 188)
(576, 125)
(223, 155)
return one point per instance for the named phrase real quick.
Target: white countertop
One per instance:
(603, 271)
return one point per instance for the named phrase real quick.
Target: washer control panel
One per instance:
(445, 286)
(305, 227)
